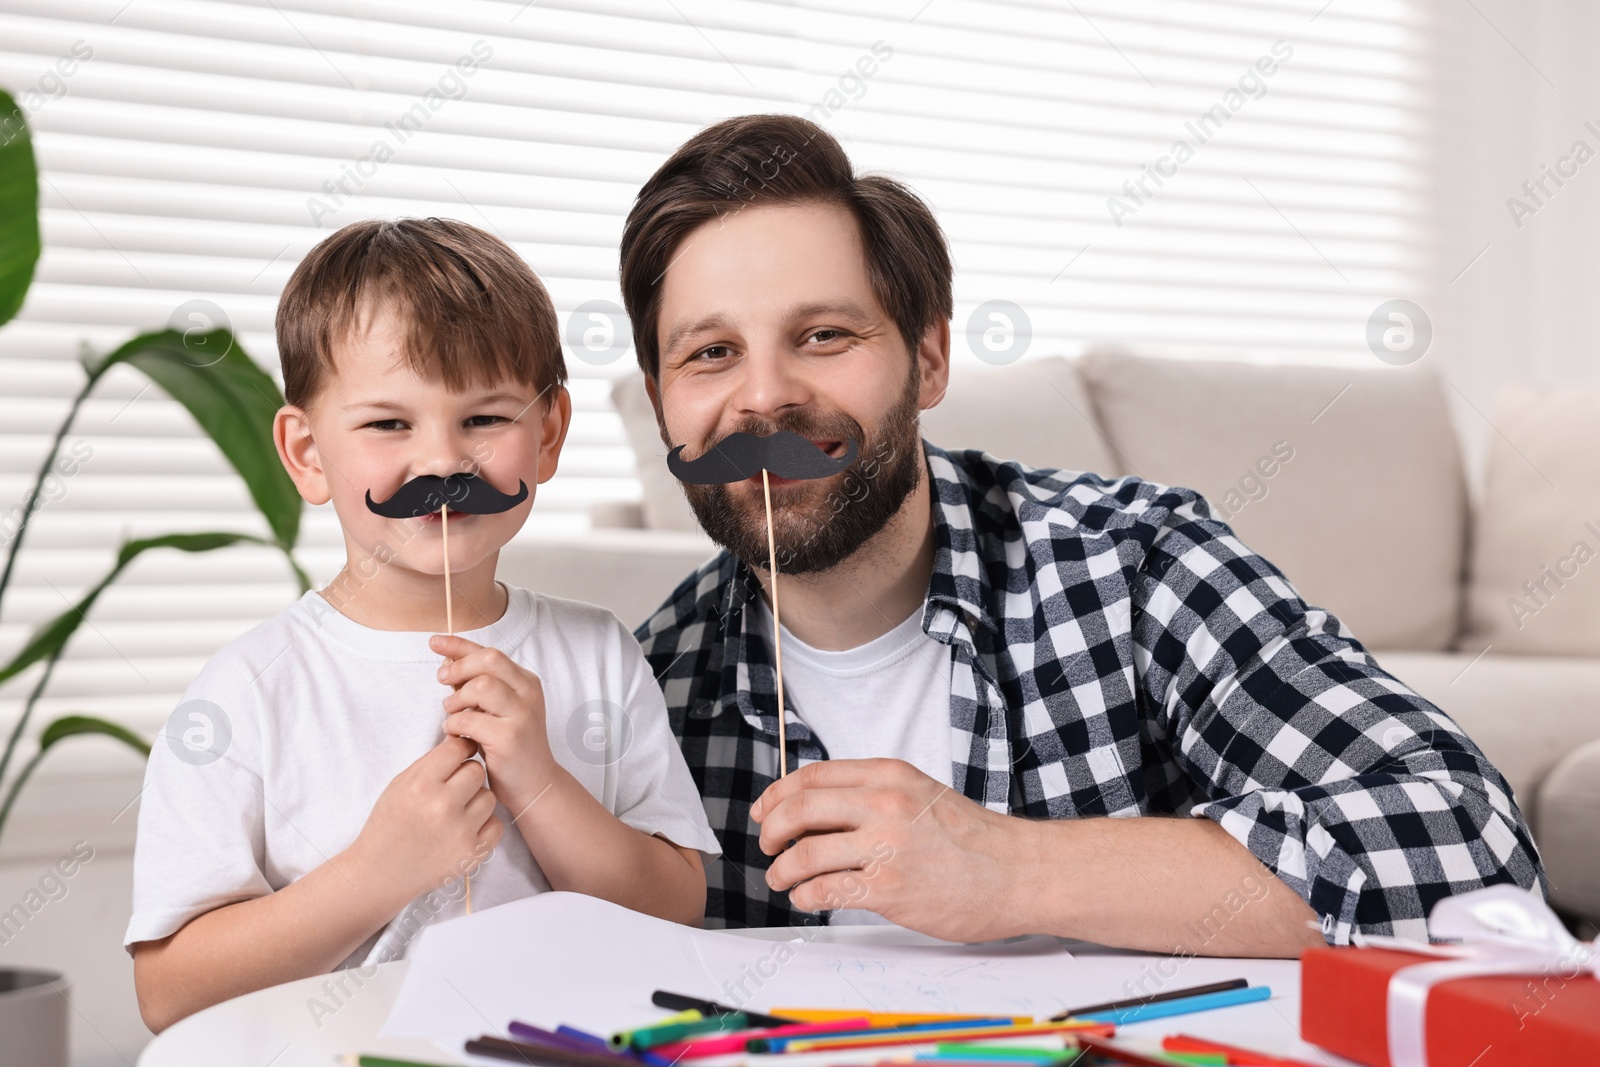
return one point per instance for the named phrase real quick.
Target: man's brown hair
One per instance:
(782, 159)
(473, 311)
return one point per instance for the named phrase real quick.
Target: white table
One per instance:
(276, 1027)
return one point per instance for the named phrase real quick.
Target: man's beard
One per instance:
(818, 524)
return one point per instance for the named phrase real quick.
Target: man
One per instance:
(987, 666)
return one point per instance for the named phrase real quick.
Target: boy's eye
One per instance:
(492, 419)
(383, 424)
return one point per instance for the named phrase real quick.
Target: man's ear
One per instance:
(933, 364)
(554, 424)
(291, 433)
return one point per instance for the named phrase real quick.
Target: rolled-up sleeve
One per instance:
(1364, 798)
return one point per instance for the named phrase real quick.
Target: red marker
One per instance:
(1237, 1057)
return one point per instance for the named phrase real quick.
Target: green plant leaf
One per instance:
(64, 727)
(19, 208)
(233, 400)
(55, 634)
(74, 725)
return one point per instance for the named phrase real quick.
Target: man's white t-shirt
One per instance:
(888, 698)
(272, 761)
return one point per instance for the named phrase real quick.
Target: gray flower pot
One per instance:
(33, 1017)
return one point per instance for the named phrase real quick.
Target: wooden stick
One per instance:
(450, 627)
(444, 521)
(777, 627)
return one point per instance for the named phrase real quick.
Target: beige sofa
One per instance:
(1485, 601)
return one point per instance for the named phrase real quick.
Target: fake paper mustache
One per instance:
(743, 455)
(461, 490)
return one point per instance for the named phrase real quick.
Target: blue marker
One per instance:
(600, 1044)
(1183, 1006)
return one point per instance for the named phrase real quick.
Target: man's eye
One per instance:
(712, 353)
(827, 334)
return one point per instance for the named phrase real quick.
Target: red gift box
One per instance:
(1545, 1017)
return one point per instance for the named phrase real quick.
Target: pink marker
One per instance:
(723, 1044)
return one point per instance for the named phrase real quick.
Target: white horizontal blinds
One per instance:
(1299, 209)
(201, 151)
(206, 146)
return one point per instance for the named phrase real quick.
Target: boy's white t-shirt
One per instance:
(278, 750)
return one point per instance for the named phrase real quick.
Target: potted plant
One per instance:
(233, 400)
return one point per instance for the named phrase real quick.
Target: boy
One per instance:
(315, 800)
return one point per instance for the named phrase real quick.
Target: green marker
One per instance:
(974, 1051)
(651, 1036)
(1204, 1059)
(620, 1039)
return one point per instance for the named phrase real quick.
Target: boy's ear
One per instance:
(555, 421)
(291, 433)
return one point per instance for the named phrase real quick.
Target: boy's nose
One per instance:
(443, 451)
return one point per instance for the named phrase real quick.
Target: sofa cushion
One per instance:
(1535, 582)
(1569, 810)
(629, 572)
(1348, 479)
(1035, 411)
(1526, 712)
(665, 506)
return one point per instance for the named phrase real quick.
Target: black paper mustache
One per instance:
(743, 455)
(461, 490)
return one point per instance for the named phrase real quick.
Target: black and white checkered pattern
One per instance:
(1119, 652)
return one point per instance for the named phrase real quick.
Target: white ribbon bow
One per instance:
(1502, 930)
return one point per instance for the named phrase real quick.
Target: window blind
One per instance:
(194, 150)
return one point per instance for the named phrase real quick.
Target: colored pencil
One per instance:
(914, 1036)
(1171, 994)
(780, 1044)
(540, 1055)
(893, 1018)
(367, 1060)
(662, 998)
(721, 1045)
(1118, 1053)
(1165, 1009)
(1243, 1057)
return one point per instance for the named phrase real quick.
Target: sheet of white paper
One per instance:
(567, 958)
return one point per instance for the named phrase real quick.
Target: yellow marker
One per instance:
(932, 1036)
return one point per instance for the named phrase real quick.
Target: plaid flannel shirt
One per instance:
(1119, 652)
